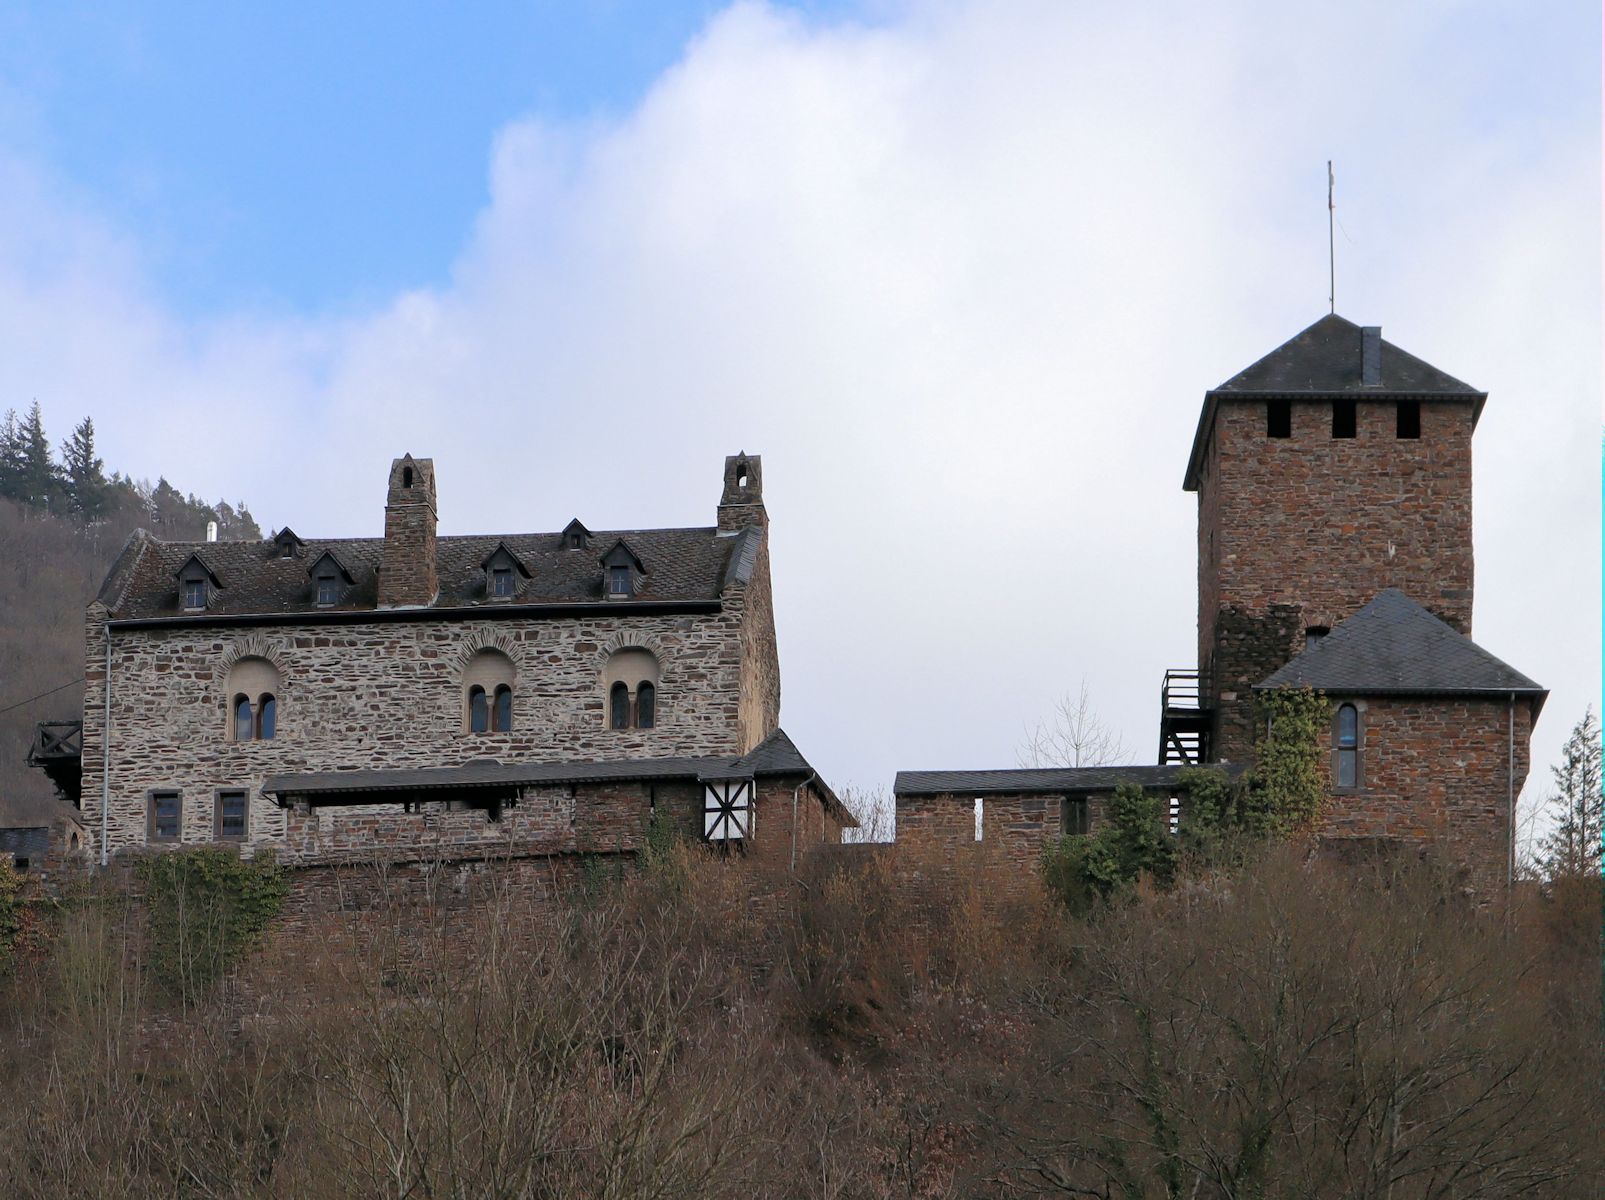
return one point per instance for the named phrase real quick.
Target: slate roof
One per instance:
(1324, 361)
(253, 578)
(1394, 646)
(36, 812)
(775, 755)
(1030, 781)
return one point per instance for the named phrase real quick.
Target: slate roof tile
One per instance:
(1394, 645)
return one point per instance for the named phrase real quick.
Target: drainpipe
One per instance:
(812, 775)
(1510, 794)
(105, 757)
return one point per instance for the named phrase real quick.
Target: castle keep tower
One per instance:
(1333, 468)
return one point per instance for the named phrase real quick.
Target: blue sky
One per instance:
(960, 270)
(312, 156)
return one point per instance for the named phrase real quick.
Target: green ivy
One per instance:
(1291, 775)
(12, 902)
(206, 908)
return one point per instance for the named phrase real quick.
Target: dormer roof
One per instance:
(574, 532)
(327, 563)
(501, 556)
(620, 555)
(195, 566)
(286, 543)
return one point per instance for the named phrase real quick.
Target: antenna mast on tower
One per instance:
(1331, 249)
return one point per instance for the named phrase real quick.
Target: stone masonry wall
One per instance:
(760, 657)
(1437, 770)
(386, 696)
(1018, 828)
(1303, 531)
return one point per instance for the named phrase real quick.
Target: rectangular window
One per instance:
(231, 814)
(619, 581)
(194, 593)
(1409, 419)
(164, 815)
(328, 590)
(978, 818)
(1073, 816)
(501, 581)
(1343, 418)
(1279, 418)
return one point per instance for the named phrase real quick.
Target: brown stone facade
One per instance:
(1015, 828)
(1302, 531)
(1439, 770)
(408, 576)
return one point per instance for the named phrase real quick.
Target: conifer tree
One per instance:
(1573, 848)
(38, 482)
(10, 456)
(86, 485)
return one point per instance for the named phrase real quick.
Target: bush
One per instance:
(205, 908)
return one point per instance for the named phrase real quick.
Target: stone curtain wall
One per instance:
(760, 657)
(1436, 771)
(387, 695)
(1303, 531)
(1015, 828)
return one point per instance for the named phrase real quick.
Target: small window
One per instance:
(1073, 816)
(267, 716)
(1279, 418)
(646, 706)
(501, 713)
(1314, 634)
(1348, 746)
(576, 540)
(21, 863)
(501, 581)
(618, 581)
(194, 593)
(230, 821)
(478, 711)
(1343, 418)
(406, 478)
(1409, 419)
(328, 590)
(619, 706)
(164, 816)
(979, 818)
(244, 719)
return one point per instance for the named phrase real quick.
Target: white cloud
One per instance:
(962, 278)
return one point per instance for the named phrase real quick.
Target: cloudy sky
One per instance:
(960, 272)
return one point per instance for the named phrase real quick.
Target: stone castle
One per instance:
(559, 693)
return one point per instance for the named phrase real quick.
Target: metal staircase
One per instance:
(1184, 721)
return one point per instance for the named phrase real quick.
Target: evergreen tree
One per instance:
(88, 490)
(1574, 847)
(38, 480)
(11, 456)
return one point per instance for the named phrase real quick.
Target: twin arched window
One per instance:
(253, 690)
(631, 679)
(488, 693)
(491, 713)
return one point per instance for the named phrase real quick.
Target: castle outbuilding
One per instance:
(1334, 551)
(418, 694)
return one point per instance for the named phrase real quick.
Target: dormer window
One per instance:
(195, 584)
(621, 572)
(329, 580)
(503, 573)
(575, 535)
(286, 544)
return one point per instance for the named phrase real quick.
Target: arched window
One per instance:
(488, 693)
(244, 725)
(1347, 747)
(630, 681)
(254, 688)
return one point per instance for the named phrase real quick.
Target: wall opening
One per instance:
(1279, 418)
(979, 818)
(1408, 419)
(1344, 418)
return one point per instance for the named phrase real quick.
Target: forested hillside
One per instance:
(62, 521)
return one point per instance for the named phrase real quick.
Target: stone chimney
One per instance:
(1370, 356)
(741, 504)
(407, 574)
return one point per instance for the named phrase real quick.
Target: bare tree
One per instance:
(1074, 736)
